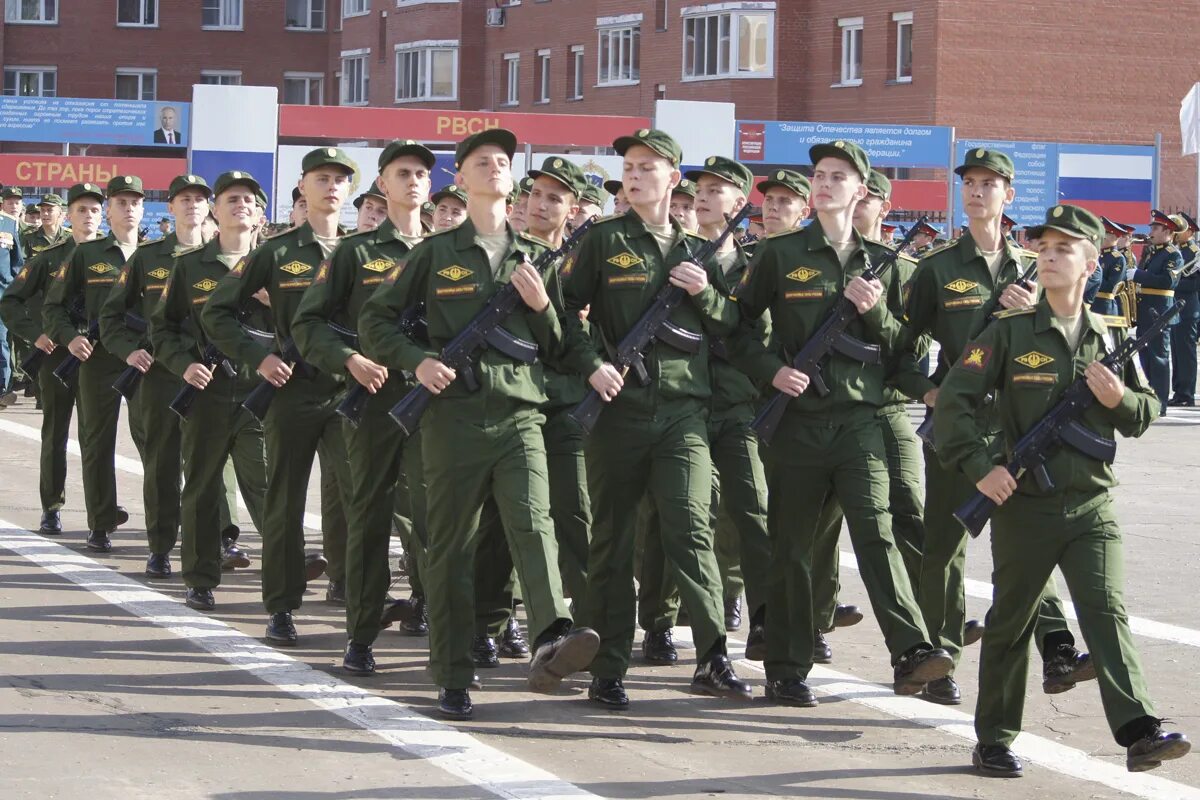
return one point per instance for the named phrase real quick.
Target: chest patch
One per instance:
(625, 260)
(379, 265)
(158, 274)
(100, 269)
(206, 285)
(961, 285)
(455, 273)
(803, 274)
(296, 267)
(1034, 360)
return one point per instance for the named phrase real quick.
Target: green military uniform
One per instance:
(475, 445)
(376, 448)
(824, 445)
(301, 418)
(218, 429)
(21, 310)
(89, 276)
(951, 293)
(1026, 359)
(36, 240)
(650, 439)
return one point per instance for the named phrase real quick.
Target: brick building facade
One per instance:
(1021, 70)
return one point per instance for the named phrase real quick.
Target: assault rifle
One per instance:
(260, 397)
(412, 325)
(128, 381)
(69, 366)
(211, 358)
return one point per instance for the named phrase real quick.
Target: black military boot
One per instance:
(715, 677)
(659, 648)
(512, 641)
(358, 659)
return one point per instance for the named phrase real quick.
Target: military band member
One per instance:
(1156, 277)
(923, 240)
(1112, 269)
(1185, 332)
(12, 258)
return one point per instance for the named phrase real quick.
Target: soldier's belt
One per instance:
(1156, 292)
(1104, 295)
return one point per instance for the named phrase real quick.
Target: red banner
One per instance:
(354, 123)
(27, 169)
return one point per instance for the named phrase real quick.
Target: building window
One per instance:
(137, 12)
(618, 61)
(512, 79)
(904, 28)
(31, 81)
(728, 44)
(221, 15)
(221, 77)
(40, 11)
(303, 88)
(137, 84)
(543, 76)
(355, 8)
(427, 71)
(852, 38)
(575, 84)
(305, 15)
(354, 78)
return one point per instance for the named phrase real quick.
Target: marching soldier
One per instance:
(591, 203)
(617, 190)
(1185, 332)
(82, 284)
(1156, 277)
(487, 443)
(518, 213)
(301, 419)
(450, 208)
(372, 210)
(50, 232)
(1028, 358)
(683, 204)
(1112, 269)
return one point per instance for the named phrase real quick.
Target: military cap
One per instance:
(235, 178)
(727, 170)
(685, 186)
(846, 151)
(453, 190)
(1076, 222)
(371, 192)
(613, 186)
(524, 186)
(327, 157)
(428, 208)
(879, 185)
(1114, 228)
(1191, 223)
(993, 160)
(84, 190)
(514, 194)
(406, 147)
(182, 182)
(505, 139)
(260, 199)
(11, 192)
(927, 229)
(295, 195)
(887, 229)
(593, 193)
(660, 142)
(787, 179)
(1159, 218)
(52, 200)
(129, 184)
(565, 172)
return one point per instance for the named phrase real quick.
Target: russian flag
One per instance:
(1120, 187)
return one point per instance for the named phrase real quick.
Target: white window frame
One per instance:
(512, 79)
(735, 11)
(903, 19)
(846, 28)
(425, 49)
(41, 72)
(225, 9)
(309, 26)
(308, 78)
(12, 13)
(141, 73)
(363, 55)
(577, 63)
(221, 73)
(143, 24)
(405, 3)
(543, 76)
(609, 29)
(355, 8)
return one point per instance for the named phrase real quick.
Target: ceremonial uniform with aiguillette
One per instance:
(952, 291)
(217, 429)
(1025, 359)
(301, 418)
(87, 278)
(376, 448)
(827, 445)
(1156, 277)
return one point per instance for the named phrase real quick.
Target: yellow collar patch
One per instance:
(624, 260)
(961, 285)
(455, 273)
(296, 267)
(803, 274)
(1034, 360)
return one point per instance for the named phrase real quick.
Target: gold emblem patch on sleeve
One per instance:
(961, 285)
(1034, 360)
(296, 267)
(379, 265)
(159, 273)
(206, 285)
(624, 260)
(455, 273)
(803, 274)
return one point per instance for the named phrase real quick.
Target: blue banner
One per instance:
(787, 143)
(82, 120)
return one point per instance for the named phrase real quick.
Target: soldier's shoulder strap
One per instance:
(1008, 313)
(939, 249)
(1114, 320)
(188, 250)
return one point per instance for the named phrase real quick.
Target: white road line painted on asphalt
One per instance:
(441, 745)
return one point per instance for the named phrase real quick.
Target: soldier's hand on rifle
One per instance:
(372, 376)
(1105, 384)
(607, 382)
(997, 485)
(1017, 296)
(790, 381)
(864, 294)
(930, 397)
(197, 375)
(274, 370)
(80, 347)
(690, 277)
(434, 375)
(529, 284)
(45, 344)
(141, 360)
